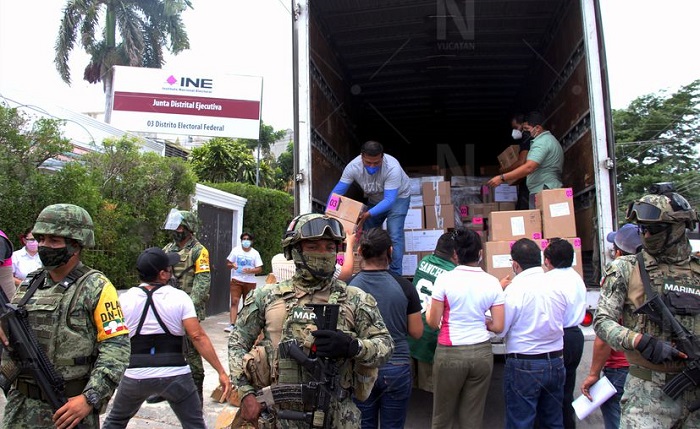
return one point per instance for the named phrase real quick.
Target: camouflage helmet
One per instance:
(311, 226)
(669, 207)
(189, 221)
(181, 217)
(68, 221)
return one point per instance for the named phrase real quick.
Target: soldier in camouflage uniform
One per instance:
(675, 275)
(78, 322)
(193, 276)
(361, 343)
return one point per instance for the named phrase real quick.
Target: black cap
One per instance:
(153, 260)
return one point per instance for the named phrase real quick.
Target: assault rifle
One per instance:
(26, 350)
(315, 396)
(658, 312)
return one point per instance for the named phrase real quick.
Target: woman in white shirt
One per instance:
(26, 259)
(463, 359)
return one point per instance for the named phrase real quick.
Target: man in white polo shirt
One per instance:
(558, 259)
(534, 329)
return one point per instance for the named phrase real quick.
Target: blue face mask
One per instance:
(246, 243)
(372, 170)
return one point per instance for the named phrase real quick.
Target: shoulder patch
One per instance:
(108, 316)
(201, 265)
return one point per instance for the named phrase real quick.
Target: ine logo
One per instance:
(189, 82)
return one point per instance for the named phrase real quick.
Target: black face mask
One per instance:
(53, 257)
(179, 236)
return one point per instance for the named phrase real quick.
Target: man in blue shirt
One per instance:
(387, 189)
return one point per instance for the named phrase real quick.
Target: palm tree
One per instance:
(145, 27)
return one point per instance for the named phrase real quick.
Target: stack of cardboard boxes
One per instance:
(554, 217)
(431, 213)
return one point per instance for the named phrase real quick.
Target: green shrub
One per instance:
(267, 215)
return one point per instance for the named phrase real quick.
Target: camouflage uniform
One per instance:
(194, 277)
(80, 327)
(672, 271)
(271, 311)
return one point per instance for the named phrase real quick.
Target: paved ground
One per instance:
(159, 416)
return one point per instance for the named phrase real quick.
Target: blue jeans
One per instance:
(180, 392)
(534, 389)
(395, 219)
(611, 407)
(388, 402)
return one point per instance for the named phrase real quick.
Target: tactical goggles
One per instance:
(653, 228)
(320, 227)
(643, 212)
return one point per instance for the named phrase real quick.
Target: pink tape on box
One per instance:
(334, 203)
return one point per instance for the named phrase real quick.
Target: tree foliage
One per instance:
(268, 136)
(26, 143)
(222, 159)
(285, 167)
(145, 27)
(133, 33)
(656, 140)
(127, 193)
(267, 214)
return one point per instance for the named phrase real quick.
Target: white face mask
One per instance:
(517, 134)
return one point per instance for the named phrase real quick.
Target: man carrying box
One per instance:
(544, 163)
(387, 189)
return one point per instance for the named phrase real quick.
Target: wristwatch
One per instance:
(503, 178)
(92, 397)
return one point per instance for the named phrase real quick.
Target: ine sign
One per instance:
(170, 102)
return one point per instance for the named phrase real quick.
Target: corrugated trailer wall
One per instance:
(559, 87)
(333, 139)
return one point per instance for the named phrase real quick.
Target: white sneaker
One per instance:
(229, 328)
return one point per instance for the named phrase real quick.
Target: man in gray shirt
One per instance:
(544, 163)
(386, 187)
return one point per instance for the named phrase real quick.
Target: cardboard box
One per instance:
(557, 206)
(482, 210)
(577, 264)
(422, 240)
(506, 207)
(514, 225)
(476, 224)
(414, 219)
(409, 264)
(342, 207)
(509, 156)
(416, 201)
(348, 227)
(440, 217)
(497, 258)
(436, 193)
(357, 261)
(505, 193)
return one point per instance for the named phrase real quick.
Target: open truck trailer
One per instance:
(437, 82)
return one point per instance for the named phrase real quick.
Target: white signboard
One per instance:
(186, 102)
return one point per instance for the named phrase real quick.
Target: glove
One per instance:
(656, 351)
(335, 344)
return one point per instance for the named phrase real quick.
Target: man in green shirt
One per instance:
(544, 163)
(422, 350)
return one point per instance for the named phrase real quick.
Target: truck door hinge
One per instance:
(299, 177)
(296, 11)
(609, 163)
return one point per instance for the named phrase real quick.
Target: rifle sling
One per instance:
(645, 276)
(37, 281)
